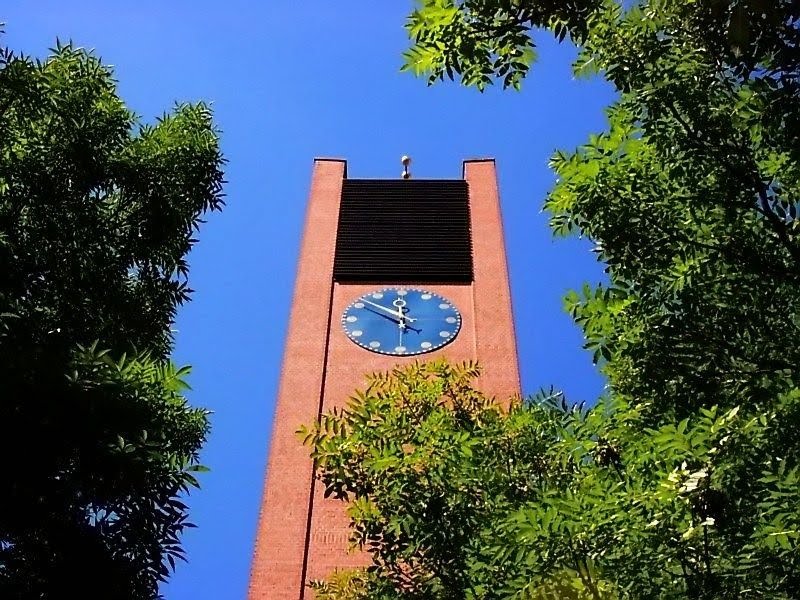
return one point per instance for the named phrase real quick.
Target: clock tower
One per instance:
(390, 271)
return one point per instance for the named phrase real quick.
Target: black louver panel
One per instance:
(402, 231)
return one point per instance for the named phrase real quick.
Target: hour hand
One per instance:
(393, 318)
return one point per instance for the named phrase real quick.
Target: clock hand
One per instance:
(398, 313)
(403, 328)
(393, 320)
(399, 304)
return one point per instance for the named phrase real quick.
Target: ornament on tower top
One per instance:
(406, 160)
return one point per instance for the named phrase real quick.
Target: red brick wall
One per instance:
(311, 376)
(277, 570)
(496, 346)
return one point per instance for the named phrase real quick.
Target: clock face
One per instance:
(401, 322)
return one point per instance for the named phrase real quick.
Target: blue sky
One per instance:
(289, 81)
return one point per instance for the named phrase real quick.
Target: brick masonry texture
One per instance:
(301, 535)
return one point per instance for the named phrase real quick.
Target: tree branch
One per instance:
(778, 227)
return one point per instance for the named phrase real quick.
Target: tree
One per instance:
(456, 498)
(682, 482)
(97, 214)
(432, 469)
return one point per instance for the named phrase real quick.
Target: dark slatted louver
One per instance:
(397, 231)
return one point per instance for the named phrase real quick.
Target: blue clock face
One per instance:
(401, 322)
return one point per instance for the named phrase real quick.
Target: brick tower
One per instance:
(418, 261)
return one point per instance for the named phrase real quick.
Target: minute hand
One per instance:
(395, 313)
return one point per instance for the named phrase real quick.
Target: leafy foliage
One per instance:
(431, 467)
(682, 481)
(454, 497)
(482, 39)
(97, 214)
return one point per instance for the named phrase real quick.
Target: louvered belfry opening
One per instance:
(403, 231)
